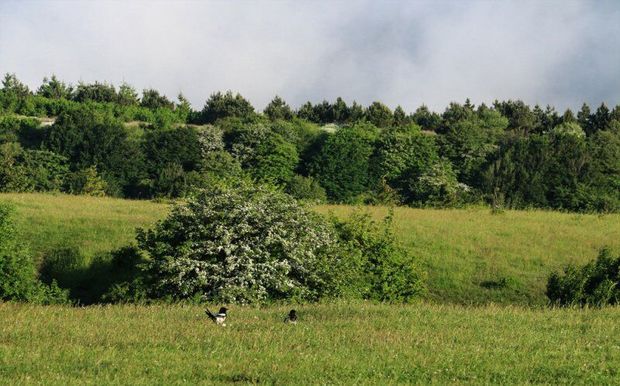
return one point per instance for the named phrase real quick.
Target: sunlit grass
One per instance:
(340, 343)
(94, 224)
(473, 255)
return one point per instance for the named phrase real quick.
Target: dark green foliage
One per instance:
(379, 115)
(400, 117)
(306, 112)
(378, 268)
(86, 137)
(401, 156)
(151, 99)
(562, 170)
(342, 165)
(12, 177)
(508, 154)
(96, 92)
(30, 170)
(306, 189)
(584, 118)
(226, 105)
(341, 111)
(278, 109)
(127, 95)
(596, 283)
(44, 170)
(15, 96)
(426, 119)
(172, 181)
(87, 182)
(18, 275)
(54, 89)
(521, 120)
(184, 109)
(170, 154)
(468, 137)
(515, 175)
(604, 171)
(265, 153)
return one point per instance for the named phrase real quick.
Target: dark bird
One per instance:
(219, 318)
(291, 317)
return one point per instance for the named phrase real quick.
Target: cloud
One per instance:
(409, 53)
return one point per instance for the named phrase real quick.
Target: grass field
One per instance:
(470, 255)
(342, 343)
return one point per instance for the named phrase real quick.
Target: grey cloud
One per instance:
(560, 53)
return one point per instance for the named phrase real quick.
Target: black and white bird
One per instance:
(219, 318)
(291, 317)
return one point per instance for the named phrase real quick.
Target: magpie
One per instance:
(219, 318)
(291, 317)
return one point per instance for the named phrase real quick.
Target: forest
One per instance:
(98, 139)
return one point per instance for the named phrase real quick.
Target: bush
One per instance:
(252, 244)
(86, 182)
(248, 244)
(306, 189)
(379, 268)
(18, 276)
(596, 283)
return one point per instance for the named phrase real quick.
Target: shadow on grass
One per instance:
(89, 280)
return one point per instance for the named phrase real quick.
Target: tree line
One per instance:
(112, 141)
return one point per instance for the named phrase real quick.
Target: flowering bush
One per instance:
(244, 244)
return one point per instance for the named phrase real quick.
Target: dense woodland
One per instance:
(107, 140)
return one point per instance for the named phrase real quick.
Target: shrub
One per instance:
(438, 186)
(251, 244)
(385, 271)
(596, 283)
(306, 188)
(18, 276)
(246, 244)
(86, 182)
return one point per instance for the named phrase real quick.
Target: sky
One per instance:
(407, 53)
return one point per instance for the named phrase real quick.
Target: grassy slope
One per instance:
(475, 256)
(470, 255)
(94, 224)
(333, 344)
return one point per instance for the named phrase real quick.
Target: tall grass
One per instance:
(340, 343)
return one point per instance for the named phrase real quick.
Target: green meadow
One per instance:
(337, 343)
(470, 256)
(484, 319)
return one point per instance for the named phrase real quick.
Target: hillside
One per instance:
(470, 255)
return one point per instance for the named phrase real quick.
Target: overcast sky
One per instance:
(409, 53)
